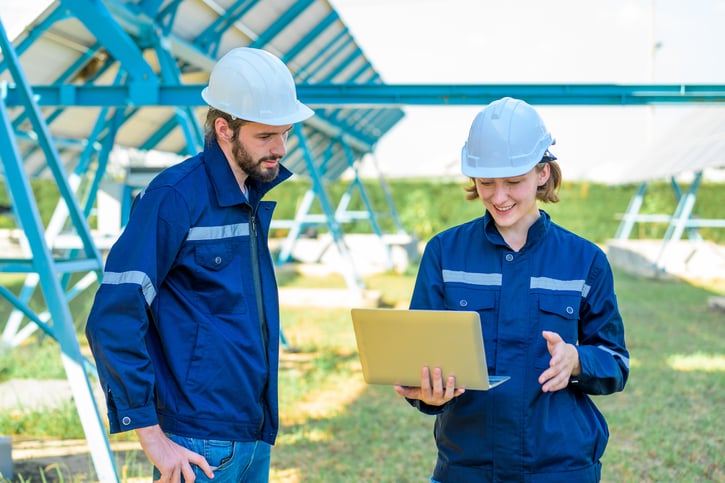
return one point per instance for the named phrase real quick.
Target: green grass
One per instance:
(665, 426)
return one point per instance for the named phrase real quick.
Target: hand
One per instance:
(172, 460)
(432, 392)
(564, 363)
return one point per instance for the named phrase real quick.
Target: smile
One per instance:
(504, 208)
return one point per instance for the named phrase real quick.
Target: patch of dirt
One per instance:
(69, 461)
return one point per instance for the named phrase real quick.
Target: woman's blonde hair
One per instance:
(547, 192)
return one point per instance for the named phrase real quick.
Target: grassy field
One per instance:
(666, 425)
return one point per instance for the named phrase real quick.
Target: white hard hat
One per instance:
(507, 138)
(254, 85)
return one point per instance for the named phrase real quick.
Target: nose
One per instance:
(500, 194)
(279, 146)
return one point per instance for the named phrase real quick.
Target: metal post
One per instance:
(45, 265)
(630, 216)
(680, 219)
(350, 273)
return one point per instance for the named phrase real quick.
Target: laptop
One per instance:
(395, 344)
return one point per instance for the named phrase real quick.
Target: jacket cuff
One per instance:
(427, 408)
(121, 420)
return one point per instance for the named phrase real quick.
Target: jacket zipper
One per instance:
(256, 276)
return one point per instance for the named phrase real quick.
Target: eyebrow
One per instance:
(268, 133)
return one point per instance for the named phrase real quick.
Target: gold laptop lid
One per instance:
(394, 345)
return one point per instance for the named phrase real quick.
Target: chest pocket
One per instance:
(214, 256)
(479, 300)
(560, 314)
(218, 284)
(473, 299)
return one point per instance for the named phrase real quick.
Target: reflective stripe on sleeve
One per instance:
(615, 354)
(135, 277)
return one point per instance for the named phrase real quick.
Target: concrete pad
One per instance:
(696, 261)
(368, 253)
(34, 394)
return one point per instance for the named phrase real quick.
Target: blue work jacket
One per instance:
(185, 325)
(559, 282)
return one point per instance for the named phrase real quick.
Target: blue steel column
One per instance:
(352, 277)
(295, 227)
(371, 215)
(630, 216)
(25, 207)
(62, 326)
(185, 117)
(679, 220)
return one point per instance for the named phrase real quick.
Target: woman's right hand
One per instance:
(432, 391)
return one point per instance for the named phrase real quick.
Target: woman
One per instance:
(548, 311)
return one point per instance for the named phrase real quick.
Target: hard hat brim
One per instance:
(300, 114)
(499, 171)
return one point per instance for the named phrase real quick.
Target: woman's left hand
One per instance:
(564, 363)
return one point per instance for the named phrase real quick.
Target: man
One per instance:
(185, 325)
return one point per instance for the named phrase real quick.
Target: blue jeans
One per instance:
(231, 461)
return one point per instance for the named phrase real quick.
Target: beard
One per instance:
(255, 169)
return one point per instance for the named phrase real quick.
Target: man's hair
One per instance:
(212, 115)
(547, 192)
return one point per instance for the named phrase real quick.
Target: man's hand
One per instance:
(172, 460)
(432, 390)
(564, 363)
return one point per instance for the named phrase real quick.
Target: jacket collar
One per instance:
(225, 184)
(536, 231)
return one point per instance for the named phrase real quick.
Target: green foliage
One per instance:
(59, 422)
(427, 206)
(45, 192)
(37, 359)
(592, 210)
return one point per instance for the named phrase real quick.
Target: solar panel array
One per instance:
(176, 42)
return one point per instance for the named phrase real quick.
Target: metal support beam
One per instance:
(391, 95)
(370, 213)
(48, 270)
(95, 17)
(352, 278)
(631, 216)
(680, 218)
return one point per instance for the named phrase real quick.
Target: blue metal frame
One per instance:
(48, 269)
(386, 95)
(677, 222)
(349, 271)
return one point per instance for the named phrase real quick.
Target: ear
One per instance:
(544, 174)
(222, 129)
